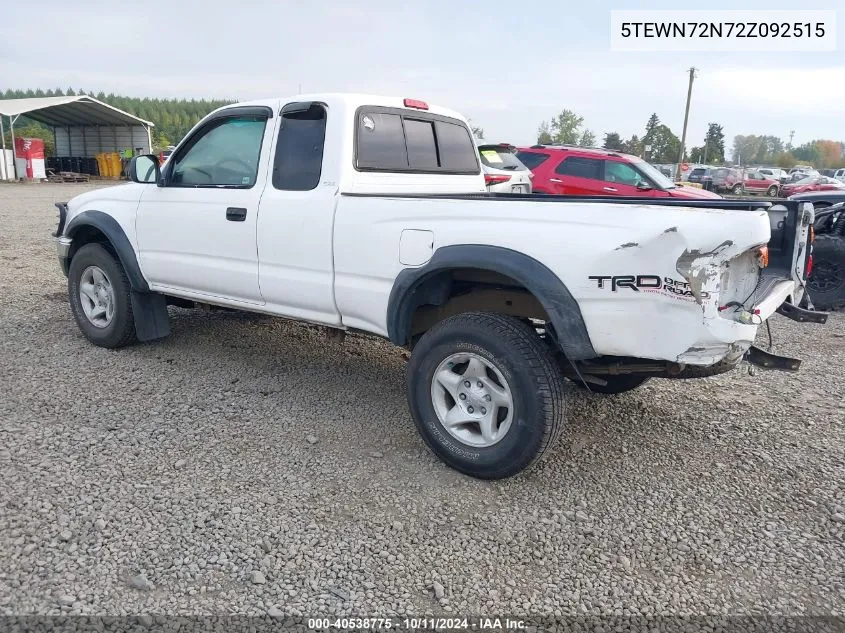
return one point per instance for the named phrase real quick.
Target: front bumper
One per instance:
(63, 251)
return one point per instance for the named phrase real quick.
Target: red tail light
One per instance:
(809, 265)
(416, 103)
(495, 179)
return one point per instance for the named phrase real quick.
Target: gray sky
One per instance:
(505, 65)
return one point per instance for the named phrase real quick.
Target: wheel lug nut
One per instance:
(483, 411)
(470, 409)
(479, 384)
(487, 397)
(463, 396)
(467, 383)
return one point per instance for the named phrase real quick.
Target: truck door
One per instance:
(196, 230)
(296, 216)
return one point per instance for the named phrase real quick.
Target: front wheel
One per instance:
(615, 384)
(486, 394)
(737, 189)
(772, 191)
(100, 297)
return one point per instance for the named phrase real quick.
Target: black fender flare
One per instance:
(550, 291)
(110, 227)
(149, 308)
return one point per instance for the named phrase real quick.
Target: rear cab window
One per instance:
(401, 140)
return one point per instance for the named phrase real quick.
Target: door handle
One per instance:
(609, 189)
(236, 214)
(555, 180)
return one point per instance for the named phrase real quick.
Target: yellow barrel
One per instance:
(102, 164)
(114, 165)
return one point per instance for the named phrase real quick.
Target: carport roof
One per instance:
(74, 111)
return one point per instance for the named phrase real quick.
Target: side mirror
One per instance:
(144, 169)
(643, 186)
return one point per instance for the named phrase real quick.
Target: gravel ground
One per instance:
(250, 465)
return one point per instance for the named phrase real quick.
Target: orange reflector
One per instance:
(763, 256)
(811, 236)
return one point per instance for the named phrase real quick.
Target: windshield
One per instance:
(653, 174)
(806, 181)
(499, 158)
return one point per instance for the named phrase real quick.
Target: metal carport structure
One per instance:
(82, 126)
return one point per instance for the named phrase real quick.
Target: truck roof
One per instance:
(351, 100)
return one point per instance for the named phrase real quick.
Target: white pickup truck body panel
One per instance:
(606, 240)
(331, 255)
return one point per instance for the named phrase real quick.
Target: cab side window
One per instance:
(298, 162)
(225, 154)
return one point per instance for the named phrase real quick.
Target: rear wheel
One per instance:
(827, 280)
(486, 394)
(772, 191)
(100, 300)
(615, 384)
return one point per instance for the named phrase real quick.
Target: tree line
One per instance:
(771, 150)
(172, 117)
(659, 144)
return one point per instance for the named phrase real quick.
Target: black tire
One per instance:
(615, 384)
(772, 191)
(827, 279)
(736, 189)
(529, 368)
(121, 330)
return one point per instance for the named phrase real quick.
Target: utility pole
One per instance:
(791, 134)
(686, 120)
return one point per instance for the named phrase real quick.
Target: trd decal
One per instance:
(628, 281)
(647, 283)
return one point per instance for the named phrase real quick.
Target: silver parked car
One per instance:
(503, 171)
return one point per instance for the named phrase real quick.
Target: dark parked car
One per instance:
(726, 179)
(698, 174)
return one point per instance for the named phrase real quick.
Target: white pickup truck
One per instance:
(370, 213)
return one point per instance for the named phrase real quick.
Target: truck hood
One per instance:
(102, 199)
(123, 191)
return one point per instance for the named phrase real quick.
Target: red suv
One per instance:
(578, 171)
